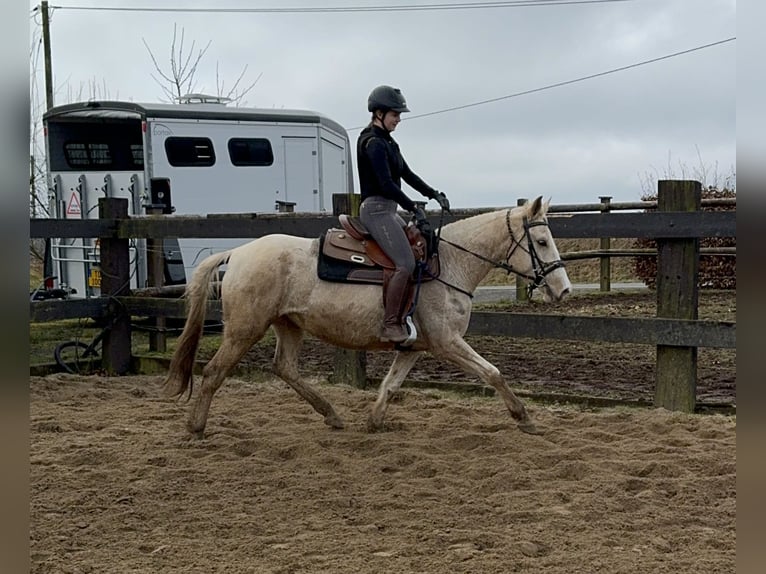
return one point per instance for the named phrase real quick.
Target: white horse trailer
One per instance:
(195, 158)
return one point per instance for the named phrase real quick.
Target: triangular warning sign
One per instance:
(73, 208)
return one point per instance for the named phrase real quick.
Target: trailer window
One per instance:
(88, 155)
(250, 151)
(189, 152)
(137, 153)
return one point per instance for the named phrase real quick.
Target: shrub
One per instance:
(715, 271)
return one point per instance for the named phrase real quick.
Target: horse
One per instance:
(272, 282)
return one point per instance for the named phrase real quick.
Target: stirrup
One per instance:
(411, 330)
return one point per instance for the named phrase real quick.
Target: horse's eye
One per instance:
(542, 243)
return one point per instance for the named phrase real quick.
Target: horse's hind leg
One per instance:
(460, 353)
(289, 340)
(403, 363)
(232, 349)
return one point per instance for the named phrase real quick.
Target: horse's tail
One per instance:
(179, 377)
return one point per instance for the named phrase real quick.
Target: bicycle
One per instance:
(76, 357)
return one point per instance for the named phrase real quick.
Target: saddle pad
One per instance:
(347, 271)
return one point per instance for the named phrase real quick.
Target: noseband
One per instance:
(540, 268)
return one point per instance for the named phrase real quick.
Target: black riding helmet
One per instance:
(386, 98)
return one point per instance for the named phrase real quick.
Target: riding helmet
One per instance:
(386, 98)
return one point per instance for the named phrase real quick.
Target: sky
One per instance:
(512, 134)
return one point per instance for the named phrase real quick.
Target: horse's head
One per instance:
(533, 251)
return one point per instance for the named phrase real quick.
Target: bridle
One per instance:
(540, 268)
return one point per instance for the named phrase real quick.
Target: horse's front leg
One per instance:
(460, 353)
(403, 362)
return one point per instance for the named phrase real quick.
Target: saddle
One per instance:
(351, 255)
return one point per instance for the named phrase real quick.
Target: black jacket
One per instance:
(382, 168)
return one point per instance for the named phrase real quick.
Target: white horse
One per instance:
(272, 282)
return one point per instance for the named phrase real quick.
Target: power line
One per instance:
(339, 9)
(566, 82)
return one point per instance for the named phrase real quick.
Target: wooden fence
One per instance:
(677, 225)
(606, 252)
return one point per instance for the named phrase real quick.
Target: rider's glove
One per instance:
(442, 200)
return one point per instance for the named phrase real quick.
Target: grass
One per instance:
(43, 337)
(35, 272)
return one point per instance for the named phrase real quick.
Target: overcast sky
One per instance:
(610, 135)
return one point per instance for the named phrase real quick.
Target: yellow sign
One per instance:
(95, 278)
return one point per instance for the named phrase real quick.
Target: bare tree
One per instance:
(708, 175)
(234, 94)
(181, 78)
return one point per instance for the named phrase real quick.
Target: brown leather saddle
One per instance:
(351, 255)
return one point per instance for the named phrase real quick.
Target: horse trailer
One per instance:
(196, 157)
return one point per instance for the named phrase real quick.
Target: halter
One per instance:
(539, 267)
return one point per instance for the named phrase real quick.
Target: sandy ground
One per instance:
(452, 486)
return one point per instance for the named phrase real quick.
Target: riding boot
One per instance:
(395, 293)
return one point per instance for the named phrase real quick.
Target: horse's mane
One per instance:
(485, 234)
(457, 230)
(464, 228)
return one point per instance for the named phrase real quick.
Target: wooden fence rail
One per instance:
(564, 223)
(676, 331)
(669, 225)
(642, 330)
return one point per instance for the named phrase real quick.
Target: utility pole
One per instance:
(32, 188)
(47, 260)
(47, 56)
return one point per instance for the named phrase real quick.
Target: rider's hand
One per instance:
(442, 200)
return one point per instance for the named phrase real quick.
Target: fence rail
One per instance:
(677, 226)
(643, 330)
(607, 205)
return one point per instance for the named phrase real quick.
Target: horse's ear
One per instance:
(537, 209)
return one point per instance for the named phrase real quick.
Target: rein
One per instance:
(540, 268)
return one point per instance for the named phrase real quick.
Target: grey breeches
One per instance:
(385, 225)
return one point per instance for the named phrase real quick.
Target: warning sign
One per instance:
(94, 279)
(73, 207)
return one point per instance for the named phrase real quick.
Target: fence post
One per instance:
(285, 206)
(349, 367)
(606, 261)
(677, 298)
(115, 281)
(155, 255)
(346, 203)
(521, 288)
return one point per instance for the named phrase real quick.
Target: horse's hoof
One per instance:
(194, 432)
(374, 425)
(530, 428)
(334, 421)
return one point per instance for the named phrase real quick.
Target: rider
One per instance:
(381, 169)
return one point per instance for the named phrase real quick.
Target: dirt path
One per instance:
(453, 486)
